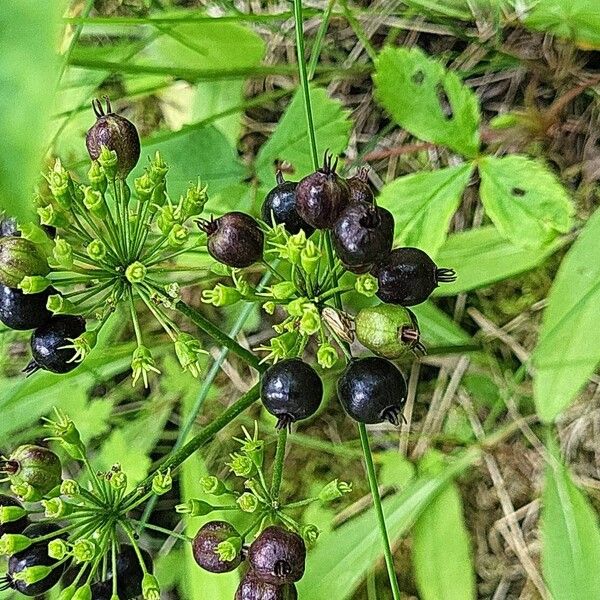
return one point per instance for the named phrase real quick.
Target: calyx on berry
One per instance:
(205, 547)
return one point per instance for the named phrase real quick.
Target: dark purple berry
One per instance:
(24, 311)
(363, 235)
(322, 196)
(12, 526)
(101, 590)
(251, 588)
(116, 133)
(372, 390)
(360, 190)
(277, 556)
(206, 542)
(129, 571)
(280, 206)
(235, 239)
(291, 390)
(408, 276)
(9, 227)
(48, 341)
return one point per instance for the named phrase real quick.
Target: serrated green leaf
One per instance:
(29, 69)
(290, 142)
(570, 539)
(423, 205)
(524, 199)
(413, 88)
(568, 348)
(484, 256)
(341, 559)
(441, 548)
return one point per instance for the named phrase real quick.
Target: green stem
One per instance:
(387, 550)
(278, 463)
(168, 532)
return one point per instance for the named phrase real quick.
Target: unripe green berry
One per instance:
(11, 543)
(20, 258)
(136, 272)
(34, 466)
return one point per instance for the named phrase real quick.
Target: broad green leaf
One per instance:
(423, 205)
(484, 256)
(290, 141)
(441, 549)
(570, 539)
(427, 100)
(577, 20)
(568, 348)
(29, 69)
(524, 199)
(341, 559)
(438, 330)
(203, 154)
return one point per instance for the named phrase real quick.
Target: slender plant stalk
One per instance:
(299, 22)
(278, 463)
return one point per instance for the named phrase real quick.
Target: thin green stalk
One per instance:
(278, 463)
(387, 550)
(316, 49)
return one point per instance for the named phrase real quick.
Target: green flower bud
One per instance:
(59, 184)
(56, 508)
(118, 479)
(221, 295)
(333, 490)
(310, 257)
(144, 186)
(63, 253)
(166, 218)
(142, 363)
(84, 550)
(57, 549)
(96, 250)
(269, 307)
(150, 587)
(178, 236)
(162, 483)
(367, 285)
(31, 575)
(194, 201)
(20, 258)
(189, 352)
(283, 290)
(229, 549)
(51, 216)
(310, 321)
(34, 284)
(254, 449)
(69, 488)
(213, 486)
(83, 593)
(59, 305)
(158, 168)
(97, 177)
(242, 465)
(296, 307)
(310, 534)
(136, 272)
(108, 161)
(194, 508)
(11, 543)
(8, 514)
(34, 466)
(63, 428)
(327, 355)
(248, 502)
(95, 203)
(295, 244)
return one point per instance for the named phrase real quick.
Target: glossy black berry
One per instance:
(205, 545)
(322, 196)
(101, 590)
(47, 344)
(251, 588)
(363, 235)
(235, 239)
(116, 133)
(360, 190)
(372, 390)
(280, 206)
(24, 311)
(12, 526)
(277, 556)
(408, 276)
(129, 571)
(291, 390)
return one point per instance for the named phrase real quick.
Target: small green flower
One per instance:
(269, 307)
(221, 295)
(310, 534)
(82, 345)
(310, 322)
(162, 483)
(296, 307)
(173, 290)
(229, 549)
(136, 272)
(194, 201)
(94, 202)
(8, 514)
(178, 236)
(31, 575)
(283, 290)
(60, 305)
(84, 550)
(96, 250)
(63, 253)
(248, 502)
(190, 353)
(158, 168)
(11, 543)
(49, 215)
(34, 284)
(57, 549)
(166, 218)
(334, 489)
(58, 181)
(142, 363)
(56, 508)
(97, 177)
(210, 484)
(150, 587)
(367, 285)
(118, 479)
(295, 244)
(195, 508)
(327, 355)
(241, 465)
(108, 161)
(310, 257)
(69, 488)
(144, 187)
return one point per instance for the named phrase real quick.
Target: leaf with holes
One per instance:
(290, 143)
(570, 538)
(423, 204)
(524, 199)
(427, 100)
(568, 348)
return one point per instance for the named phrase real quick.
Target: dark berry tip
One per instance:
(98, 108)
(5, 583)
(284, 422)
(31, 368)
(108, 106)
(410, 336)
(282, 568)
(279, 177)
(363, 174)
(208, 227)
(392, 415)
(445, 275)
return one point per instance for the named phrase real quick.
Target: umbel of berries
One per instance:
(115, 133)
(280, 206)
(205, 547)
(372, 390)
(322, 195)
(252, 588)
(408, 276)
(51, 344)
(362, 235)
(291, 390)
(24, 311)
(277, 556)
(235, 239)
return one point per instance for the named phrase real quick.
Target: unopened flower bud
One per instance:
(334, 489)
(162, 483)
(213, 486)
(194, 508)
(327, 355)
(221, 295)
(136, 272)
(248, 502)
(34, 284)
